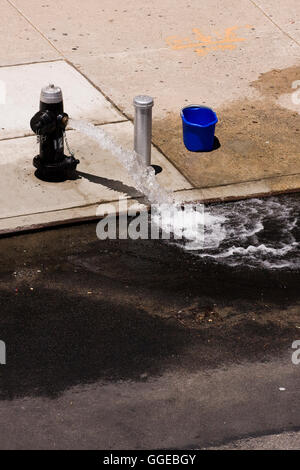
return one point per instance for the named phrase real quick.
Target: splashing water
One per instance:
(255, 233)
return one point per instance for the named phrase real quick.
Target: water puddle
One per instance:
(256, 233)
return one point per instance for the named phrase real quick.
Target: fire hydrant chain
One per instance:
(67, 144)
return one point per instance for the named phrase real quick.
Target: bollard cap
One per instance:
(51, 94)
(143, 101)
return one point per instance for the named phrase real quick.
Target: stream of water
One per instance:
(256, 232)
(143, 176)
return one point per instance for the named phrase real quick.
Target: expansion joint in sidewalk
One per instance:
(274, 23)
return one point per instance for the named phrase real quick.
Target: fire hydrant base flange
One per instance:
(59, 171)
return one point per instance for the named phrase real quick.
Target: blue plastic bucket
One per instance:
(198, 125)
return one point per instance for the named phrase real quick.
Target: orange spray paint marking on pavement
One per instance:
(202, 44)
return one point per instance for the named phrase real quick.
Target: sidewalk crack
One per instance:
(274, 23)
(11, 3)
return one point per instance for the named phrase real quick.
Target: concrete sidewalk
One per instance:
(240, 56)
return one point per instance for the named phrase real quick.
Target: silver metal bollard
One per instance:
(143, 126)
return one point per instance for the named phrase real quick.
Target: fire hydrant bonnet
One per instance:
(51, 94)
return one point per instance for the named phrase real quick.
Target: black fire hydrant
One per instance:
(49, 124)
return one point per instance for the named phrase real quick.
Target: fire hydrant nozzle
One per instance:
(64, 119)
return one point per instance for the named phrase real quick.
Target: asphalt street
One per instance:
(128, 344)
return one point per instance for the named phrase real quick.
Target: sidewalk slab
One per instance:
(20, 42)
(257, 139)
(27, 201)
(23, 86)
(286, 14)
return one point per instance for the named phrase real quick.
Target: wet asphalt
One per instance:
(128, 344)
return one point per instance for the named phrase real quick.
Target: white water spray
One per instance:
(143, 176)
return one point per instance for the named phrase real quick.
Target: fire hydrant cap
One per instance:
(51, 94)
